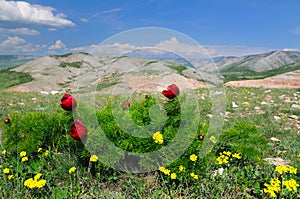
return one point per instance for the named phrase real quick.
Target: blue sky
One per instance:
(231, 27)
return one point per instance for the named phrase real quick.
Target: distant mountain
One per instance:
(9, 61)
(256, 66)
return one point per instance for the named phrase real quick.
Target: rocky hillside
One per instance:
(120, 74)
(132, 74)
(258, 63)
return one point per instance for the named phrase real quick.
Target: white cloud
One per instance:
(290, 49)
(59, 45)
(174, 46)
(84, 20)
(52, 29)
(296, 31)
(12, 41)
(17, 45)
(235, 50)
(19, 31)
(21, 11)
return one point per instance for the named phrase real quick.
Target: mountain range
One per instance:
(133, 74)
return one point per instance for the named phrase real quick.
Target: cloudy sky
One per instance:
(222, 27)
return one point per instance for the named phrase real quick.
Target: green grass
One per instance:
(236, 73)
(42, 123)
(12, 78)
(178, 68)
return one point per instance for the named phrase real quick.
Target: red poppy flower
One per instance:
(201, 137)
(171, 92)
(68, 102)
(7, 120)
(78, 131)
(126, 105)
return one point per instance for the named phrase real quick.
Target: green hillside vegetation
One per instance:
(242, 73)
(12, 78)
(71, 64)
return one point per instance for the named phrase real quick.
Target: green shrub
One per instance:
(244, 138)
(29, 131)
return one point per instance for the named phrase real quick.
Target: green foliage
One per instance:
(245, 131)
(71, 64)
(244, 138)
(63, 55)
(178, 68)
(32, 130)
(242, 73)
(11, 78)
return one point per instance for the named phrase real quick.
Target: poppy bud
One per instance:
(68, 103)
(78, 131)
(171, 92)
(126, 105)
(201, 137)
(7, 120)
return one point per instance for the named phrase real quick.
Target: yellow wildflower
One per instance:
(281, 169)
(164, 170)
(194, 176)
(173, 176)
(181, 168)
(23, 153)
(94, 158)
(34, 182)
(158, 137)
(37, 176)
(4, 152)
(222, 159)
(290, 184)
(293, 170)
(228, 153)
(213, 139)
(6, 170)
(29, 183)
(10, 177)
(39, 150)
(24, 159)
(46, 152)
(193, 157)
(39, 184)
(72, 170)
(237, 155)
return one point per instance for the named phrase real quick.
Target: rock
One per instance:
(294, 117)
(277, 161)
(234, 105)
(275, 139)
(295, 106)
(218, 172)
(267, 91)
(277, 118)
(257, 108)
(264, 103)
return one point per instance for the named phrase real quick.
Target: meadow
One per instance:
(39, 159)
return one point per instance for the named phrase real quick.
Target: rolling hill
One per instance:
(132, 74)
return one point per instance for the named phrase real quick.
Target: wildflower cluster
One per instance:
(158, 137)
(226, 156)
(275, 185)
(180, 169)
(35, 182)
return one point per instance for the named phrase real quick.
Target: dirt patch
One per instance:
(287, 80)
